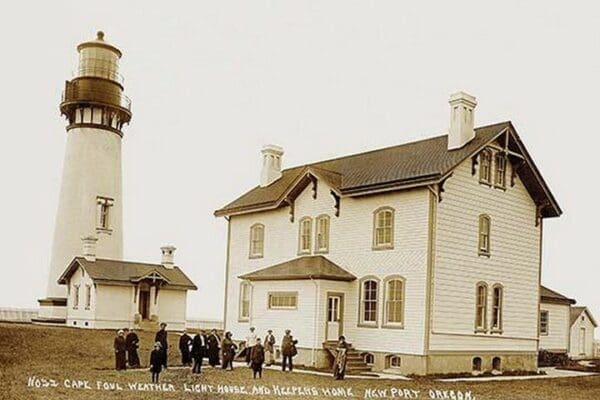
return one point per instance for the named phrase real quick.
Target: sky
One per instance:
(212, 82)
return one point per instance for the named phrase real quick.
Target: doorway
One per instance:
(334, 317)
(582, 341)
(144, 306)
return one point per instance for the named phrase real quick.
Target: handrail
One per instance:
(73, 94)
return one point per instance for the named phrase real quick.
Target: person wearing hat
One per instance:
(120, 351)
(132, 343)
(156, 362)
(339, 365)
(288, 350)
(270, 348)
(161, 337)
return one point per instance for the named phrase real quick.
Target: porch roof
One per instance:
(308, 267)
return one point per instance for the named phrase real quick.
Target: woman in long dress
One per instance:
(228, 348)
(339, 365)
(120, 347)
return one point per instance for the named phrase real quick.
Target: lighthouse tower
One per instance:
(90, 203)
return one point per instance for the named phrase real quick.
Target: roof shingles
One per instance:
(126, 271)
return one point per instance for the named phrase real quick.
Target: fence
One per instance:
(204, 324)
(14, 314)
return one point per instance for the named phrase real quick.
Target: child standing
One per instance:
(156, 360)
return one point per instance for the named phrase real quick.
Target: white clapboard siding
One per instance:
(575, 350)
(514, 263)
(557, 338)
(351, 248)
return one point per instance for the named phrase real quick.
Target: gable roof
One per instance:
(413, 164)
(551, 296)
(116, 271)
(576, 312)
(309, 267)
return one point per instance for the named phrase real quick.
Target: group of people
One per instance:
(218, 351)
(126, 345)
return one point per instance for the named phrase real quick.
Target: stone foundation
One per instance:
(436, 363)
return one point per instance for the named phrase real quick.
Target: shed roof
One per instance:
(551, 296)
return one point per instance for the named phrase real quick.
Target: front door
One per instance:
(582, 341)
(334, 317)
(144, 308)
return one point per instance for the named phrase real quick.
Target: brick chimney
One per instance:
(462, 119)
(89, 247)
(168, 256)
(271, 168)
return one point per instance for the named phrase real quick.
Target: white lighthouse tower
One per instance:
(90, 203)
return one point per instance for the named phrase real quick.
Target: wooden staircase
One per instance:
(355, 364)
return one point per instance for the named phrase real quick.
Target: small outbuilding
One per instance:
(111, 294)
(582, 326)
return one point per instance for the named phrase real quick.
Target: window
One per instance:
(394, 302)
(322, 239)
(544, 322)
(257, 240)
(383, 227)
(283, 300)
(500, 178)
(497, 308)
(497, 363)
(477, 364)
(481, 307)
(88, 296)
(485, 168)
(369, 294)
(484, 234)
(104, 205)
(244, 301)
(75, 296)
(368, 358)
(305, 235)
(395, 361)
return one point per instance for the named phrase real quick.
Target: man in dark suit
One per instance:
(161, 337)
(198, 351)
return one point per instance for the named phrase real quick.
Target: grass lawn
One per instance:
(65, 353)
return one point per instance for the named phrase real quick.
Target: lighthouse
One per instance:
(90, 201)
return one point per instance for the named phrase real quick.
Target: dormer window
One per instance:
(485, 169)
(104, 206)
(500, 177)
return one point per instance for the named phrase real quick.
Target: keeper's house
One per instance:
(113, 294)
(426, 255)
